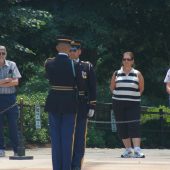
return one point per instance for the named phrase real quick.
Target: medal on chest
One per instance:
(84, 75)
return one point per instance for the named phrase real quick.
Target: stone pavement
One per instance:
(95, 159)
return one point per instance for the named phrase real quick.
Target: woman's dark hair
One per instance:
(130, 54)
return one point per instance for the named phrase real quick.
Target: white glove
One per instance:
(90, 113)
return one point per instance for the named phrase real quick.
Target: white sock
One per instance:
(137, 148)
(129, 149)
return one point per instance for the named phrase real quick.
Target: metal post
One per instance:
(161, 127)
(21, 147)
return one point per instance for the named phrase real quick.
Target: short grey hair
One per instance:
(2, 47)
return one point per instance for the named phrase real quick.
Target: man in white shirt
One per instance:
(167, 81)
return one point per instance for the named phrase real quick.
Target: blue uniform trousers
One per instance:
(80, 137)
(11, 115)
(62, 134)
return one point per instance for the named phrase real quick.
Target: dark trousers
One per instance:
(80, 136)
(11, 116)
(62, 134)
(127, 111)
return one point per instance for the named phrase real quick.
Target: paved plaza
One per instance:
(95, 159)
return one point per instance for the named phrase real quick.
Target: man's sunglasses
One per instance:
(73, 49)
(2, 53)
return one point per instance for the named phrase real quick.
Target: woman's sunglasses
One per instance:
(127, 59)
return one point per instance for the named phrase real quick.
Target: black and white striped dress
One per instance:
(127, 86)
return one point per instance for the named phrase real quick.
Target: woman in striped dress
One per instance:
(127, 85)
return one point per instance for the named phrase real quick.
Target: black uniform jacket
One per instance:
(86, 86)
(59, 72)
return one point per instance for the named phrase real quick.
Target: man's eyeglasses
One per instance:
(2, 53)
(73, 50)
(127, 59)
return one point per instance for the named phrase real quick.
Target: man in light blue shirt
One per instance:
(9, 79)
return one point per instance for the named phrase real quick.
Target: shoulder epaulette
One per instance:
(86, 62)
(48, 59)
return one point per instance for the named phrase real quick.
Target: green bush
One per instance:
(95, 138)
(37, 83)
(112, 140)
(31, 134)
(156, 130)
(33, 92)
(103, 93)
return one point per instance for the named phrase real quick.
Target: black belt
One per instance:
(63, 88)
(81, 93)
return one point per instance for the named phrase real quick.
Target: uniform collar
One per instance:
(6, 63)
(63, 54)
(77, 60)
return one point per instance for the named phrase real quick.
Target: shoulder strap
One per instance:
(73, 69)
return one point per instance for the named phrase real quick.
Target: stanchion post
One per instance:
(161, 113)
(21, 146)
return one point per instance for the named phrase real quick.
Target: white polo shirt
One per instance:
(167, 78)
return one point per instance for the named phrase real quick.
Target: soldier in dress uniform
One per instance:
(61, 104)
(86, 103)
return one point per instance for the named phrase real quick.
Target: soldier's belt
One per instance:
(93, 102)
(63, 88)
(81, 93)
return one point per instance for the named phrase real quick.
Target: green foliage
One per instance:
(155, 130)
(107, 28)
(36, 83)
(112, 140)
(30, 18)
(157, 109)
(95, 137)
(31, 134)
(153, 137)
(103, 93)
(23, 28)
(156, 127)
(32, 99)
(39, 136)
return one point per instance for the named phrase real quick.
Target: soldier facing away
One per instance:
(61, 104)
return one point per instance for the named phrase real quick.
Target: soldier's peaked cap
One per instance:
(64, 39)
(76, 43)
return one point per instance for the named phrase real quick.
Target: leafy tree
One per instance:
(107, 28)
(25, 32)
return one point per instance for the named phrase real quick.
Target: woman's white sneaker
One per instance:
(127, 154)
(138, 154)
